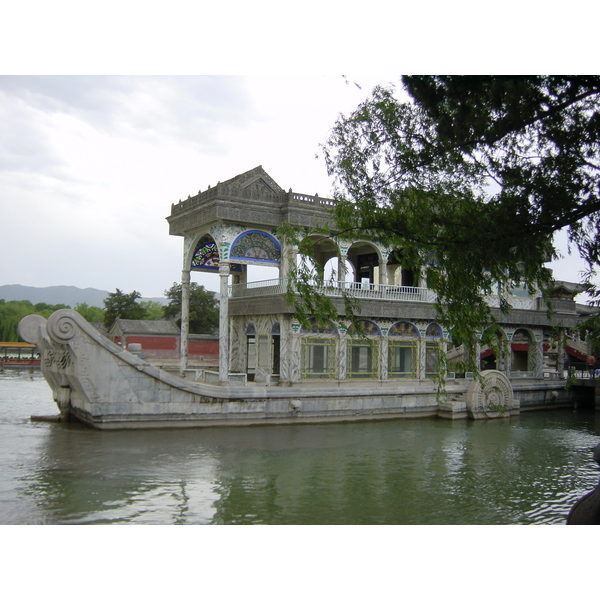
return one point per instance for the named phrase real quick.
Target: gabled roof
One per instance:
(256, 179)
(139, 327)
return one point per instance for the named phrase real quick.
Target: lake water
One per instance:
(524, 470)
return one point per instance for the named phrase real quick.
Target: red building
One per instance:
(161, 340)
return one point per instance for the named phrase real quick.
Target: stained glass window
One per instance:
(433, 330)
(369, 328)
(256, 245)
(403, 329)
(206, 255)
(316, 328)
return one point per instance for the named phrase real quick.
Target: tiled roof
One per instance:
(142, 327)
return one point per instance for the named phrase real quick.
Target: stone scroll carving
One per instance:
(62, 326)
(30, 328)
(490, 396)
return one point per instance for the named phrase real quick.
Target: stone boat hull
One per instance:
(99, 383)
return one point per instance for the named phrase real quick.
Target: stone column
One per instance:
(477, 353)
(383, 272)
(284, 348)
(422, 350)
(535, 356)
(561, 353)
(383, 356)
(224, 323)
(341, 275)
(504, 355)
(185, 320)
(341, 370)
(288, 260)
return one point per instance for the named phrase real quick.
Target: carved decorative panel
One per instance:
(256, 246)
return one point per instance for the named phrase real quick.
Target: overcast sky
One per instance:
(89, 166)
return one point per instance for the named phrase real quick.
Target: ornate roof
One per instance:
(256, 180)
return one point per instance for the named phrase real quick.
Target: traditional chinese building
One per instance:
(272, 369)
(233, 225)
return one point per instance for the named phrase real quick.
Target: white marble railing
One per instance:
(373, 291)
(258, 288)
(367, 291)
(517, 303)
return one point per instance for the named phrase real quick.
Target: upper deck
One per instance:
(267, 296)
(252, 198)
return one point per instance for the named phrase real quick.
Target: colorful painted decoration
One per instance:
(369, 328)
(256, 246)
(316, 328)
(404, 329)
(433, 330)
(206, 255)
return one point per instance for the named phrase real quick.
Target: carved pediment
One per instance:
(255, 183)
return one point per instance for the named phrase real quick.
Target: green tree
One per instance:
(154, 310)
(204, 308)
(472, 177)
(92, 314)
(13, 311)
(124, 306)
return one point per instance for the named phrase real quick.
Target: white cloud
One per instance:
(89, 166)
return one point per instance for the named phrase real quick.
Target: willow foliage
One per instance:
(471, 178)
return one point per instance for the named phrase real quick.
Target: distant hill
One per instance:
(59, 294)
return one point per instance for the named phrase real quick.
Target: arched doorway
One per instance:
(519, 350)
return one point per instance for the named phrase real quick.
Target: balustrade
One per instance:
(362, 290)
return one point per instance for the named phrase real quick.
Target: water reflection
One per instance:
(86, 476)
(529, 469)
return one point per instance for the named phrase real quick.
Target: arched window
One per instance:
(403, 351)
(206, 255)
(363, 352)
(318, 351)
(433, 331)
(256, 246)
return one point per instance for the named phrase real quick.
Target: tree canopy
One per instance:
(13, 311)
(203, 311)
(118, 304)
(472, 177)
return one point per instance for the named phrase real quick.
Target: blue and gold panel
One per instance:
(256, 246)
(368, 328)
(403, 329)
(433, 331)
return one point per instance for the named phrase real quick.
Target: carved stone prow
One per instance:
(32, 329)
